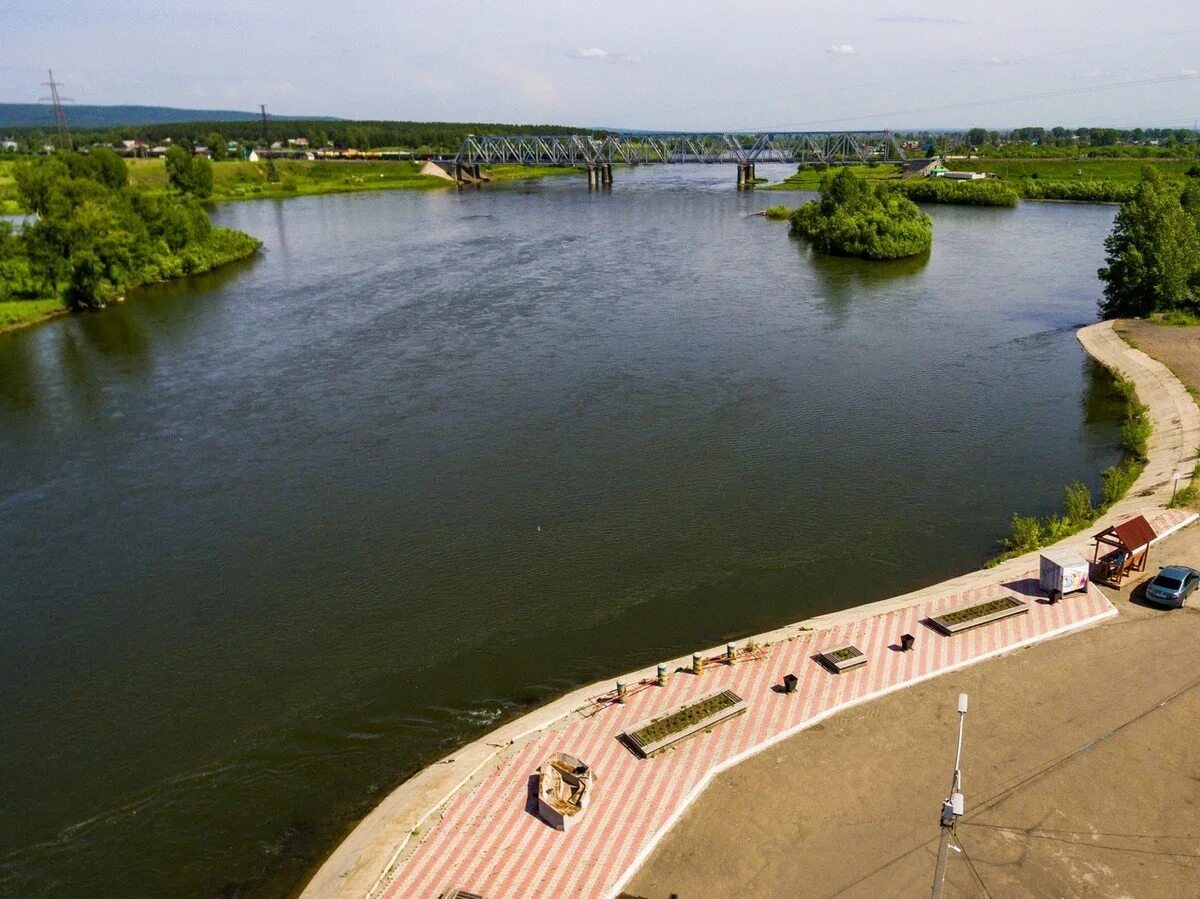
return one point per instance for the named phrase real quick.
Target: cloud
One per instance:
(1189, 72)
(841, 50)
(920, 20)
(599, 54)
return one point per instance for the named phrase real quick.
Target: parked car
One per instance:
(1173, 586)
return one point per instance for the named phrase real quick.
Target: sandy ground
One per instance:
(1081, 771)
(1176, 348)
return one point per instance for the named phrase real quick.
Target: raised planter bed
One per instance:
(840, 658)
(950, 623)
(661, 732)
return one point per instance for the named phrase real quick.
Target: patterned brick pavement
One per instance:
(489, 842)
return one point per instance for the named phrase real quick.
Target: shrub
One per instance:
(777, 212)
(980, 192)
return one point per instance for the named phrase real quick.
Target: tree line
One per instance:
(365, 135)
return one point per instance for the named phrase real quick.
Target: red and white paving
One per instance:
(489, 841)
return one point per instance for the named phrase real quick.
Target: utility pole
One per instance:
(60, 117)
(953, 807)
(272, 175)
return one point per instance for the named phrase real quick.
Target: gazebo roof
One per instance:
(1131, 534)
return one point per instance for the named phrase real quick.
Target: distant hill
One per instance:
(27, 115)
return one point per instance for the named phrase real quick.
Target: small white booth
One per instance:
(1063, 572)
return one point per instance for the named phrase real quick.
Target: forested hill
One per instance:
(33, 115)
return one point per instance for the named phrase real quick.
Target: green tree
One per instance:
(108, 168)
(189, 174)
(977, 137)
(216, 145)
(1153, 253)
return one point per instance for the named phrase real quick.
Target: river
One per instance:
(275, 537)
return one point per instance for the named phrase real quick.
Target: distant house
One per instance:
(8, 146)
(160, 150)
(231, 148)
(202, 151)
(252, 155)
(47, 148)
(297, 141)
(277, 145)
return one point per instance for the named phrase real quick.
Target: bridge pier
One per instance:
(606, 173)
(745, 175)
(593, 177)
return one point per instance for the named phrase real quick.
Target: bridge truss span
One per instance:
(742, 149)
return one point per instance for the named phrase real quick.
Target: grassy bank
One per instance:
(220, 247)
(243, 180)
(1030, 532)
(1085, 180)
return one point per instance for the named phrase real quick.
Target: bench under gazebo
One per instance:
(1126, 547)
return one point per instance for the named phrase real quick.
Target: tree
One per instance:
(189, 174)
(108, 168)
(216, 145)
(977, 137)
(1153, 253)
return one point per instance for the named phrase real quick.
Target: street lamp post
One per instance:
(953, 807)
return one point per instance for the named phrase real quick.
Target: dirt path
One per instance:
(850, 807)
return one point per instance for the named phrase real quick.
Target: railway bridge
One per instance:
(598, 154)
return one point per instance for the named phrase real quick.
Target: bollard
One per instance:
(906, 642)
(730, 653)
(697, 663)
(662, 675)
(789, 683)
(622, 691)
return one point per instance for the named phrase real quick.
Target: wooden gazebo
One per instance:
(1127, 547)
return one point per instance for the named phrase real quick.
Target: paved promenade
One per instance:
(490, 843)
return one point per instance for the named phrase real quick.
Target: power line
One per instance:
(992, 101)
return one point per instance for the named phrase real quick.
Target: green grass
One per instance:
(661, 728)
(240, 179)
(1127, 171)
(1189, 495)
(778, 213)
(18, 313)
(810, 178)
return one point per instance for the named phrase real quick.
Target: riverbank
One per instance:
(220, 248)
(239, 179)
(368, 858)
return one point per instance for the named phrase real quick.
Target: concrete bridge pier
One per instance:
(593, 177)
(606, 174)
(745, 176)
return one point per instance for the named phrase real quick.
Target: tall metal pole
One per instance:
(953, 807)
(60, 117)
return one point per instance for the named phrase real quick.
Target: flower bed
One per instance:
(663, 731)
(951, 623)
(839, 658)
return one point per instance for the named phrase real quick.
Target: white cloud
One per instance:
(599, 54)
(1189, 72)
(841, 50)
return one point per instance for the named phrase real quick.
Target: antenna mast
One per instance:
(272, 175)
(60, 117)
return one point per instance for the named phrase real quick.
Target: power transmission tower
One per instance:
(60, 117)
(272, 175)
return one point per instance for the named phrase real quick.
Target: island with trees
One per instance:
(853, 219)
(91, 236)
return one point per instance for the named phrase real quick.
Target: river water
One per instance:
(275, 537)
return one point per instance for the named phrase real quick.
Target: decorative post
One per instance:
(622, 691)
(663, 676)
(697, 663)
(730, 653)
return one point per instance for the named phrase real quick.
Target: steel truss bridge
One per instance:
(598, 154)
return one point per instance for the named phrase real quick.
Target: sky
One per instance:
(660, 64)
